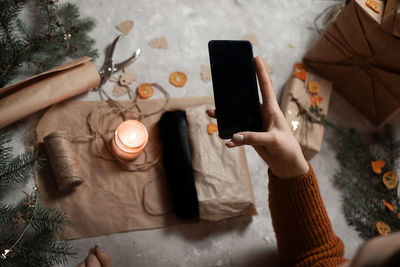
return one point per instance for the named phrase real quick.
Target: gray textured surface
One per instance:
(188, 26)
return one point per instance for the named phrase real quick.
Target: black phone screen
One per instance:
(235, 87)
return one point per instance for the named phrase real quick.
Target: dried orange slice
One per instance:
(298, 67)
(212, 128)
(316, 100)
(372, 4)
(383, 228)
(390, 179)
(178, 78)
(388, 205)
(313, 87)
(145, 90)
(302, 74)
(377, 166)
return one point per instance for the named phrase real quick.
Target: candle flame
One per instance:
(132, 136)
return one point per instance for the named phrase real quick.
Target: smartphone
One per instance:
(235, 87)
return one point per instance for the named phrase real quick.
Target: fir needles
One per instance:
(28, 231)
(367, 201)
(58, 32)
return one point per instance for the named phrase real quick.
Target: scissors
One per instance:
(109, 67)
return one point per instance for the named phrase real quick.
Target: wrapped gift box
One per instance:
(308, 134)
(362, 60)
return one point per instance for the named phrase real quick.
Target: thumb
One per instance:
(103, 257)
(251, 138)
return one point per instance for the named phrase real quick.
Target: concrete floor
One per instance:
(284, 32)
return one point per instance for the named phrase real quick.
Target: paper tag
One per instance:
(125, 27)
(205, 73)
(119, 90)
(127, 77)
(159, 43)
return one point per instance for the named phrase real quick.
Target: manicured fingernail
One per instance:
(238, 138)
(98, 247)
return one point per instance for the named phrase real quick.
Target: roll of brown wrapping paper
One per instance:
(64, 164)
(55, 85)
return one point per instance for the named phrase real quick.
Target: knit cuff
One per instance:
(292, 185)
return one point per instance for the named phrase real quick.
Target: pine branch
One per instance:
(51, 219)
(39, 249)
(45, 48)
(5, 151)
(7, 213)
(362, 189)
(20, 168)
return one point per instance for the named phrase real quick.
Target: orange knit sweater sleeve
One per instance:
(302, 227)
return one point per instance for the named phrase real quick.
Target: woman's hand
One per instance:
(97, 257)
(277, 146)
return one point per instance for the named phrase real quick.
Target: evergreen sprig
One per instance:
(39, 245)
(39, 248)
(362, 189)
(19, 169)
(58, 32)
(5, 151)
(52, 219)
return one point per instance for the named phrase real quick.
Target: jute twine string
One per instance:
(328, 15)
(366, 64)
(65, 166)
(103, 120)
(355, 60)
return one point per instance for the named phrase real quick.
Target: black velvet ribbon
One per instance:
(178, 164)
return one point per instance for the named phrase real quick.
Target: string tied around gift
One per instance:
(103, 120)
(328, 15)
(356, 60)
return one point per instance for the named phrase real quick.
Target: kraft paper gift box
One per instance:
(308, 134)
(362, 60)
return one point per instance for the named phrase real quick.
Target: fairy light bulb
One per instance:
(4, 254)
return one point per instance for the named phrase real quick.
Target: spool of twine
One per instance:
(63, 161)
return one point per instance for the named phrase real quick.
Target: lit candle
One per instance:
(130, 138)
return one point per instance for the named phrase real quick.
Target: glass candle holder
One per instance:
(129, 140)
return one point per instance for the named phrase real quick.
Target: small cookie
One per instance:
(127, 77)
(178, 78)
(159, 43)
(125, 27)
(119, 90)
